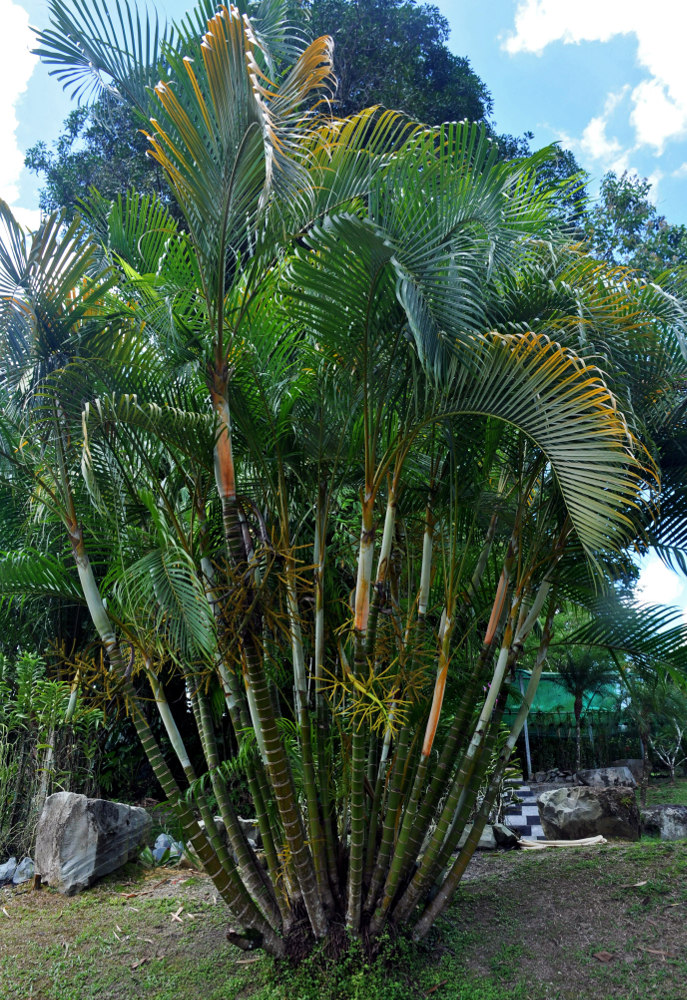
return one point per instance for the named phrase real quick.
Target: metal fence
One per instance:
(605, 736)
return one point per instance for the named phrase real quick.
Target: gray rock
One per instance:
(163, 842)
(665, 821)
(251, 831)
(79, 840)
(7, 871)
(487, 840)
(23, 872)
(505, 837)
(634, 764)
(607, 777)
(581, 811)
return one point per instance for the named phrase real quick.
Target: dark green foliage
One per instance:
(394, 53)
(101, 146)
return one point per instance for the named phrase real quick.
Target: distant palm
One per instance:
(581, 675)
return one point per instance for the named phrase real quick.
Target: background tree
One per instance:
(624, 227)
(387, 52)
(394, 53)
(584, 674)
(101, 146)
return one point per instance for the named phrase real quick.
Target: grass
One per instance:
(661, 791)
(572, 924)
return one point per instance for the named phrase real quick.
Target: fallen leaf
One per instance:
(135, 965)
(247, 961)
(438, 986)
(5, 912)
(147, 940)
(175, 916)
(635, 885)
(603, 956)
(190, 916)
(657, 951)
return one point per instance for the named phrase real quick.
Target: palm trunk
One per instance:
(277, 764)
(226, 881)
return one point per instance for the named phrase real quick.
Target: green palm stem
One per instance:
(302, 711)
(235, 701)
(251, 873)
(375, 809)
(481, 563)
(225, 878)
(396, 794)
(255, 775)
(322, 738)
(179, 748)
(464, 788)
(402, 856)
(356, 861)
(257, 686)
(207, 845)
(471, 755)
(450, 884)
(402, 859)
(398, 773)
(444, 769)
(464, 793)
(441, 774)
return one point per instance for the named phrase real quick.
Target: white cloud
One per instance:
(659, 585)
(16, 66)
(28, 217)
(655, 116)
(595, 141)
(680, 172)
(654, 179)
(660, 101)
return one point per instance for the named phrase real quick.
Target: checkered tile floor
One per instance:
(523, 817)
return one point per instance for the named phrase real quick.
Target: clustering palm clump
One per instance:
(331, 450)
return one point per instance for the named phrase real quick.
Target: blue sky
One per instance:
(604, 77)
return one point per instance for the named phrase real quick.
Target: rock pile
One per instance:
(12, 873)
(554, 777)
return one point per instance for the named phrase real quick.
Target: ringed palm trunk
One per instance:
(253, 926)
(277, 764)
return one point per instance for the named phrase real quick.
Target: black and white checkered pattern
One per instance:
(523, 817)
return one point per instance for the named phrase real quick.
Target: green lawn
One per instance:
(569, 924)
(660, 790)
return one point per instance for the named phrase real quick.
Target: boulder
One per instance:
(23, 872)
(7, 871)
(634, 764)
(607, 777)
(582, 811)
(665, 821)
(167, 849)
(79, 840)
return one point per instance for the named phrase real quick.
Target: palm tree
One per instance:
(318, 481)
(580, 675)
